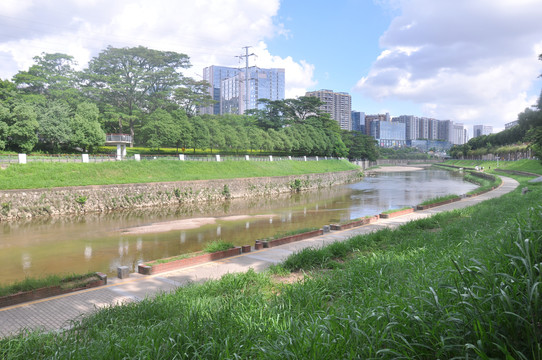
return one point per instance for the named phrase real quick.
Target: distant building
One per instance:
(511, 124)
(378, 117)
(336, 104)
(412, 126)
(358, 121)
(388, 134)
(228, 87)
(479, 130)
(427, 145)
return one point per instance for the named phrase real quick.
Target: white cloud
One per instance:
(211, 32)
(469, 61)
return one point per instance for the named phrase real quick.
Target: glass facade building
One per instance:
(229, 88)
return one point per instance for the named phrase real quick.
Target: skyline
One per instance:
(474, 63)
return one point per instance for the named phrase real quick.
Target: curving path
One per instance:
(56, 313)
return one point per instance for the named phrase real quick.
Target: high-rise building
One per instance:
(412, 126)
(338, 105)
(378, 117)
(479, 130)
(358, 121)
(228, 86)
(388, 134)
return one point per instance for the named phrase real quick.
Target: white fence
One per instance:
(88, 158)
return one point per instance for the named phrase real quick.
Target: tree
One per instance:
(4, 128)
(360, 146)
(216, 136)
(53, 76)
(54, 125)
(193, 95)
(86, 130)
(23, 127)
(159, 130)
(200, 133)
(134, 81)
(182, 130)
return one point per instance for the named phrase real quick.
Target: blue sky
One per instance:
(470, 61)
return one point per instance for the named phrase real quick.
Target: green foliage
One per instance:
(360, 146)
(81, 200)
(218, 245)
(226, 191)
(87, 133)
(23, 126)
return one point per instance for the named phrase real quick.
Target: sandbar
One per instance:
(185, 224)
(395, 169)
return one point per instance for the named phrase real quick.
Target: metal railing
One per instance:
(118, 138)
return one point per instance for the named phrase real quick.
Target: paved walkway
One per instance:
(57, 312)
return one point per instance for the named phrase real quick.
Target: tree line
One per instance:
(52, 107)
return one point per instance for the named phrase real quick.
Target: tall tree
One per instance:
(200, 133)
(193, 95)
(53, 76)
(159, 130)
(23, 128)
(54, 125)
(134, 81)
(4, 128)
(86, 130)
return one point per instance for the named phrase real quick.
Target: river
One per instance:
(102, 242)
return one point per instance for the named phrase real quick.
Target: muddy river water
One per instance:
(102, 242)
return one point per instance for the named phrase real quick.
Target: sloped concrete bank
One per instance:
(25, 204)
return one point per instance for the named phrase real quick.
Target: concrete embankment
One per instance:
(24, 204)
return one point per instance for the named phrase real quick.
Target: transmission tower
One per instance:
(246, 56)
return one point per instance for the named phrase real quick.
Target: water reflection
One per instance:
(95, 242)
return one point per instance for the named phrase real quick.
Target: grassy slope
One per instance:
(532, 166)
(460, 284)
(45, 175)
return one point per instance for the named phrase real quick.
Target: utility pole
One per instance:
(246, 56)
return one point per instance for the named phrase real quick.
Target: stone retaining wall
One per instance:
(24, 204)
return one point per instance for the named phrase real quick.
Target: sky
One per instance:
(474, 62)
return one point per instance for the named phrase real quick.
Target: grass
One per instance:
(483, 183)
(68, 282)
(391, 211)
(218, 245)
(211, 247)
(439, 199)
(532, 166)
(48, 175)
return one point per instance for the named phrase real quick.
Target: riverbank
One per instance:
(74, 200)
(372, 290)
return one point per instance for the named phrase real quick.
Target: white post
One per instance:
(119, 152)
(305, 158)
(218, 158)
(247, 158)
(181, 157)
(137, 157)
(85, 158)
(270, 157)
(289, 157)
(317, 158)
(123, 151)
(22, 158)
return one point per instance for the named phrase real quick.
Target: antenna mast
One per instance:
(246, 56)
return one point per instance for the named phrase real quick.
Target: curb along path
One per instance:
(57, 312)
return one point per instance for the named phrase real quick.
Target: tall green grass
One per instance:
(47, 175)
(459, 285)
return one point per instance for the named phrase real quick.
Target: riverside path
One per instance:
(58, 312)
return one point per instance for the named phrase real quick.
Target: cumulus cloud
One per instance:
(211, 32)
(469, 61)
